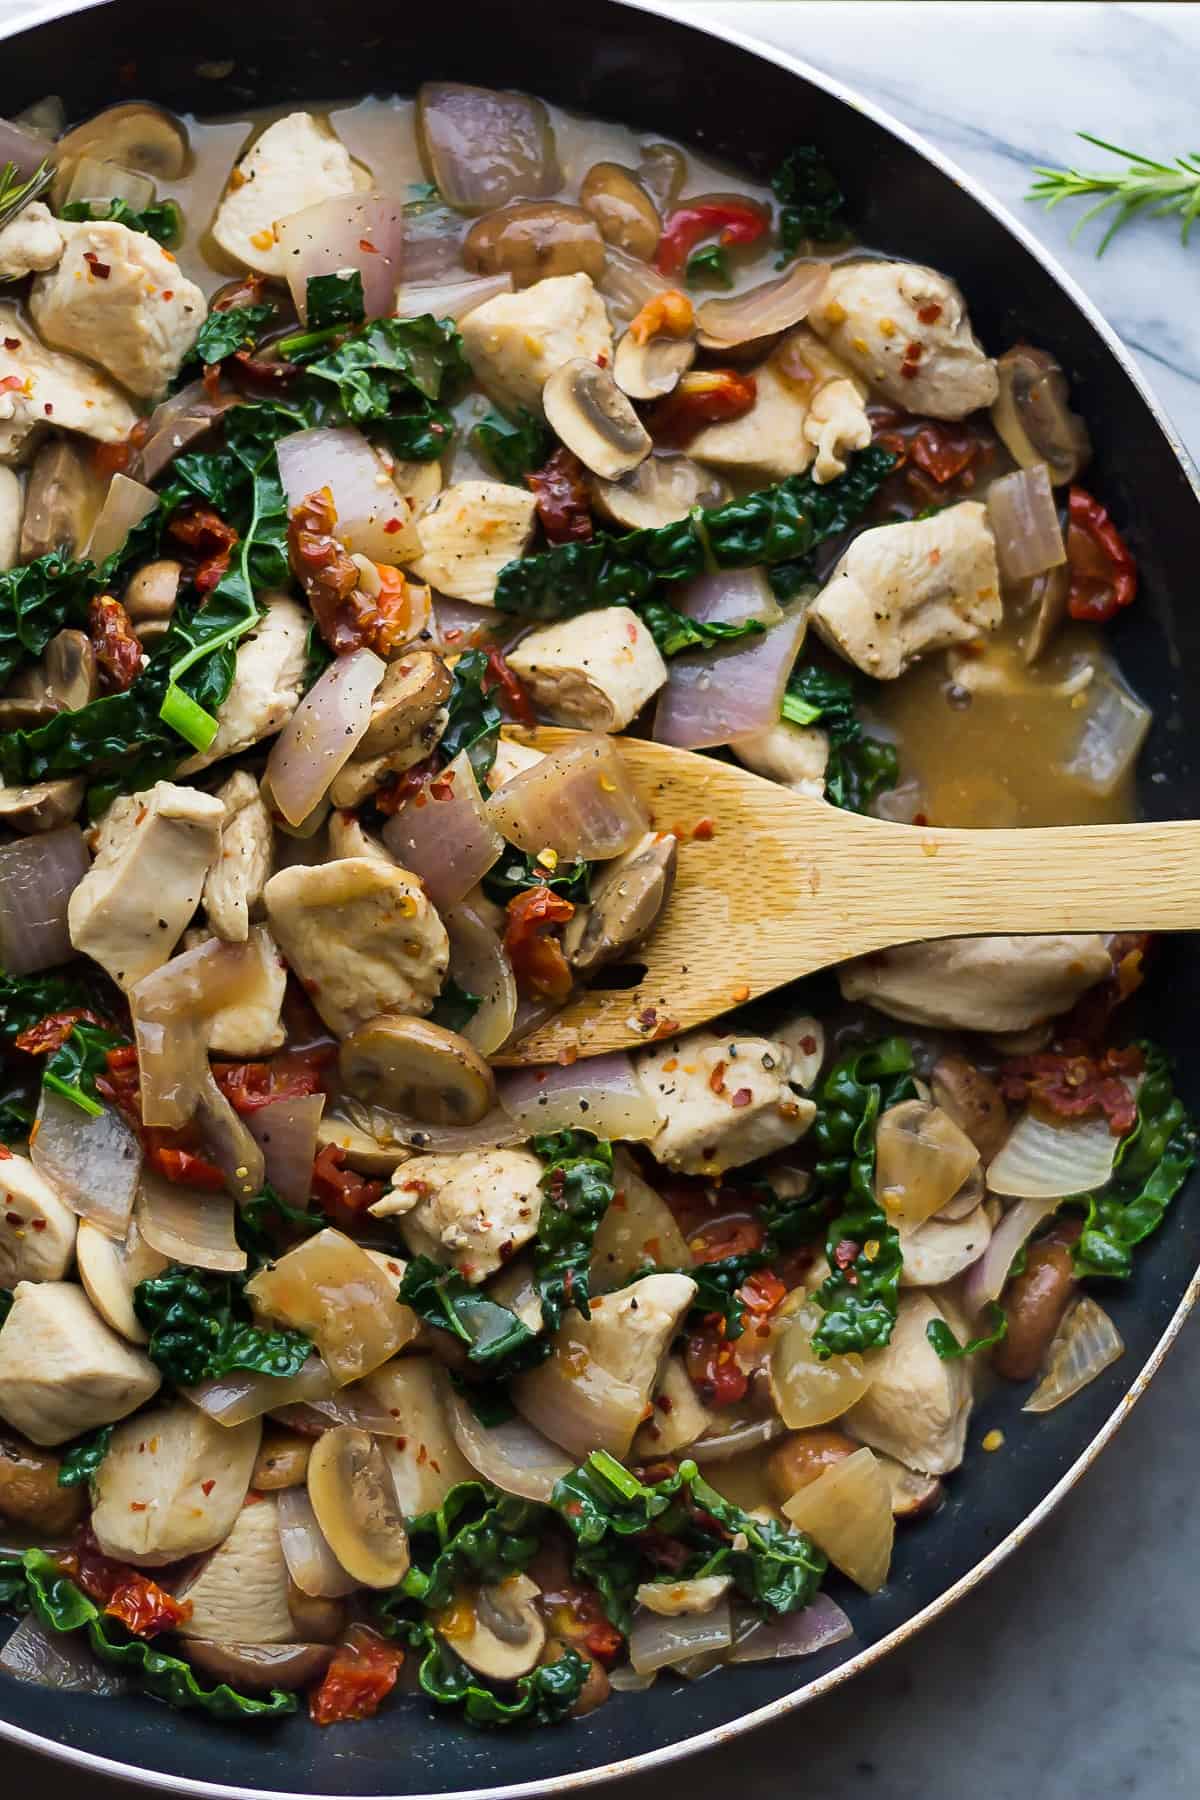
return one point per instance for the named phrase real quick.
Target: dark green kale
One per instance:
(395, 378)
(947, 1345)
(516, 871)
(200, 1327)
(810, 202)
(578, 1190)
(6, 1300)
(455, 1006)
(514, 447)
(27, 999)
(859, 767)
(161, 221)
(709, 267)
(473, 717)
(674, 632)
(499, 1344)
(71, 1070)
(1152, 1164)
(81, 1461)
(236, 328)
(335, 299)
(543, 1697)
(268, 1224)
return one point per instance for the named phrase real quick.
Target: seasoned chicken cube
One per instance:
(252, 1027)
(240, 1595)
(901, 591)
(153, 853)
(118, 297)
(233, 888)
(596, 672)
(37, 1227)
(12, 511)
(796, 755)
(294, 163)
(679, 1416)
(724, 1100)
(905, 330)
(62, 1371)
(474, 1209)
(267, 680)
(515, 342)
(979, 983)
(362, 937)
(72, 393)
(172, 1484)
(30, 243)
(917, 1406)
(806, 402)
(467, 535)
(837, 422)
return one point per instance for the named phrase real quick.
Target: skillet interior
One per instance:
(611, 62)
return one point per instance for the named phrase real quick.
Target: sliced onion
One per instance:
(457, 625)
(1085, 1344)
(578, 802)
(814, 1628)
(444, 834)
(354, 1405)
(96, 178)
(227, 1141)
(38, 875)
(986, 1278)
(1044, 1159)
(349, 231)
(126, 504)
(479, 966)
(451, 299)
(248, 1394)
(24, 148)
(847, 1511)
(656, 1643)
(372, 515)
(94, 1162)
(714, 696)
(61, 1660)
(483, 147)
(762, 311)
(626, 1680)
(514, 1456)
(322, 733)
(311, 1563)
(1113, 727)
(1023, 515)
(628, 282)
(286, 1133)
(496, 1131)
(188, 1225)
(532, 1010)
(177, 423)
(601, 1094)
(172, 1010)
(748, 1435)
(433, 237)
(730, 596)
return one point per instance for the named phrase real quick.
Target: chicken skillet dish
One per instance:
(342, 1366)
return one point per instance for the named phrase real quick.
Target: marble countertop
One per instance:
(1065, 1675)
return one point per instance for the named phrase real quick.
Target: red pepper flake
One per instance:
(12, 1218)
(206, 1488)
(368, 247)
(845, 1253)
(499, 675)
(715, 1374)
(101, 270)
(393, 526)
(167, 294)
(716, 1080)
(360, 1677)
(48, 410)
(705, 830)
(10, 384)
(5, 1153)
(762, 1292)
(742, 1098)
(38, 1224)
(930, 313)
(12, 343)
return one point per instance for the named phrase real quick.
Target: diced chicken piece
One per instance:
(901, 591)
(515, 342)
(253, 1027)
(62, 1371)
(37, 1227)
(153, 852)
(679, 1416)
(796, 755)
(595, 672)
(12, 511)
(240, 1595)
(981, 983)
(725, 1101)
(30, 243)
(172, 1484)
(294, 163)
(71, 393)
(348, 838)
(837, 422)
(806, 402)
(233, 888)
(362, 937)
(267, 680)
(905, 330)
(469, 532)
(423, 1457)
(119, 298)
(917, 1406)
(475, 1208)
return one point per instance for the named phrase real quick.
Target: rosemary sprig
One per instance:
(16, 192)
(1145, 186)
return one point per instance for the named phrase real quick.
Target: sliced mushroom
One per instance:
(72, 677)
(624, 905)
(30, 1493)
(621, 208)
(282, 1460)
(498, 1631)
(369, 1155)
(648, 368)
(61, 502)
(354, 1498)
(660, 491)
(150, 598)
(414, 1067)
(1033, 416)
(110, 1271)
(43, 806)
(914, 1496)
(662, 171)
(972, 1100)
(136, 136)
(533, 240)
(412, 690)
(591, 415)
(260, 1667)
(922, 1159)
(317, 1618)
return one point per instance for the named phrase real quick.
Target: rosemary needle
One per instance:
(16, 192)
(1144, 186)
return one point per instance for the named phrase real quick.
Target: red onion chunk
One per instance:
(177, 423)
(172, 1008)
(601, 1094)
(484, 148)
(577, 802)
(818, 1625)
(373, 517)
(126, 504)
(248, 1393)
(349, 231)
(311, 1563)
(729, 597)
(24, 148)
(188, 1225)
(321, 735)
(496, 1131)
(93, 1161)
(37, 878)
(444, 834)
(354, 1405)
(762, 311)
(286, 1133)
(479, 965)
(986, 1278)
(736, 1438)
(1023, 515)
(656, 1642)
(715, 696)
(59, 1660)
(512, 1455)
(451, 299)
(457, 625)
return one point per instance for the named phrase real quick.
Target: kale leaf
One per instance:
(71, 1070)
(27, 999)
(810, 201)
(83, 1459)
(710, 267)
(455, 1006)
(200, 1328)
(236, 328)
(473, 718)
(859, 767)
(578, 1190)
(543, 1697)
(674, 632)
(161, 220)
(6, 1302)
(1152, 1164)
(947, 1345)
(514, 447)
(497, 1340)
(335, 299)
(516, 871)
(396, 376)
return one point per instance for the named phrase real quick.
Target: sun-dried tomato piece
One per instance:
(702, 397)
(360, 1677)
(762, 1292)
(715, 1372)
(117, 650)
(1071, 1084)
(346, 615)
(334, 1185)
(537, 959)
(731, 1237)
(288, 1076)
(126, 1594)
(563, 502)
(499, 675)
(210, 540)
(52, 1032)
(944, 451)
(1104, 576)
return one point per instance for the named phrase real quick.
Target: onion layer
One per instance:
(578, 802)
(601, 1094)
(714, 696)
(126, 504)
(311, 1563)
(444, 834)
(1113, 727)
(93, 1161)
(1085, 1344)
(762, 311)
(484, 148)
(748, 1435)
(816, 1627)
(362, 232)
(729, 597)
(62, 1661)
(514, 1456)
(247, 1394)
(451, 299)
(847, 1511)
(373, 517)
(286, 1133)
(172, 1009)
(986, 1278)
(188, 1225)
(322, 734)
(1023, 516)
(479, 965)
(495, 1132)
(656, 1642)
(1041, 1159)
(37, 878)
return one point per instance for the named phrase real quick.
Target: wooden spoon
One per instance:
(772, 886)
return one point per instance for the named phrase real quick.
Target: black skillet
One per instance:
(750, 106)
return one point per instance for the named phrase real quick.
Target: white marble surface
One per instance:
(1073, 1672)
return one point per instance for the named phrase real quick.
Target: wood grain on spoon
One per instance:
(773, 886)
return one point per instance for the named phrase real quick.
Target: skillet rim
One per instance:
(669, 1754)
